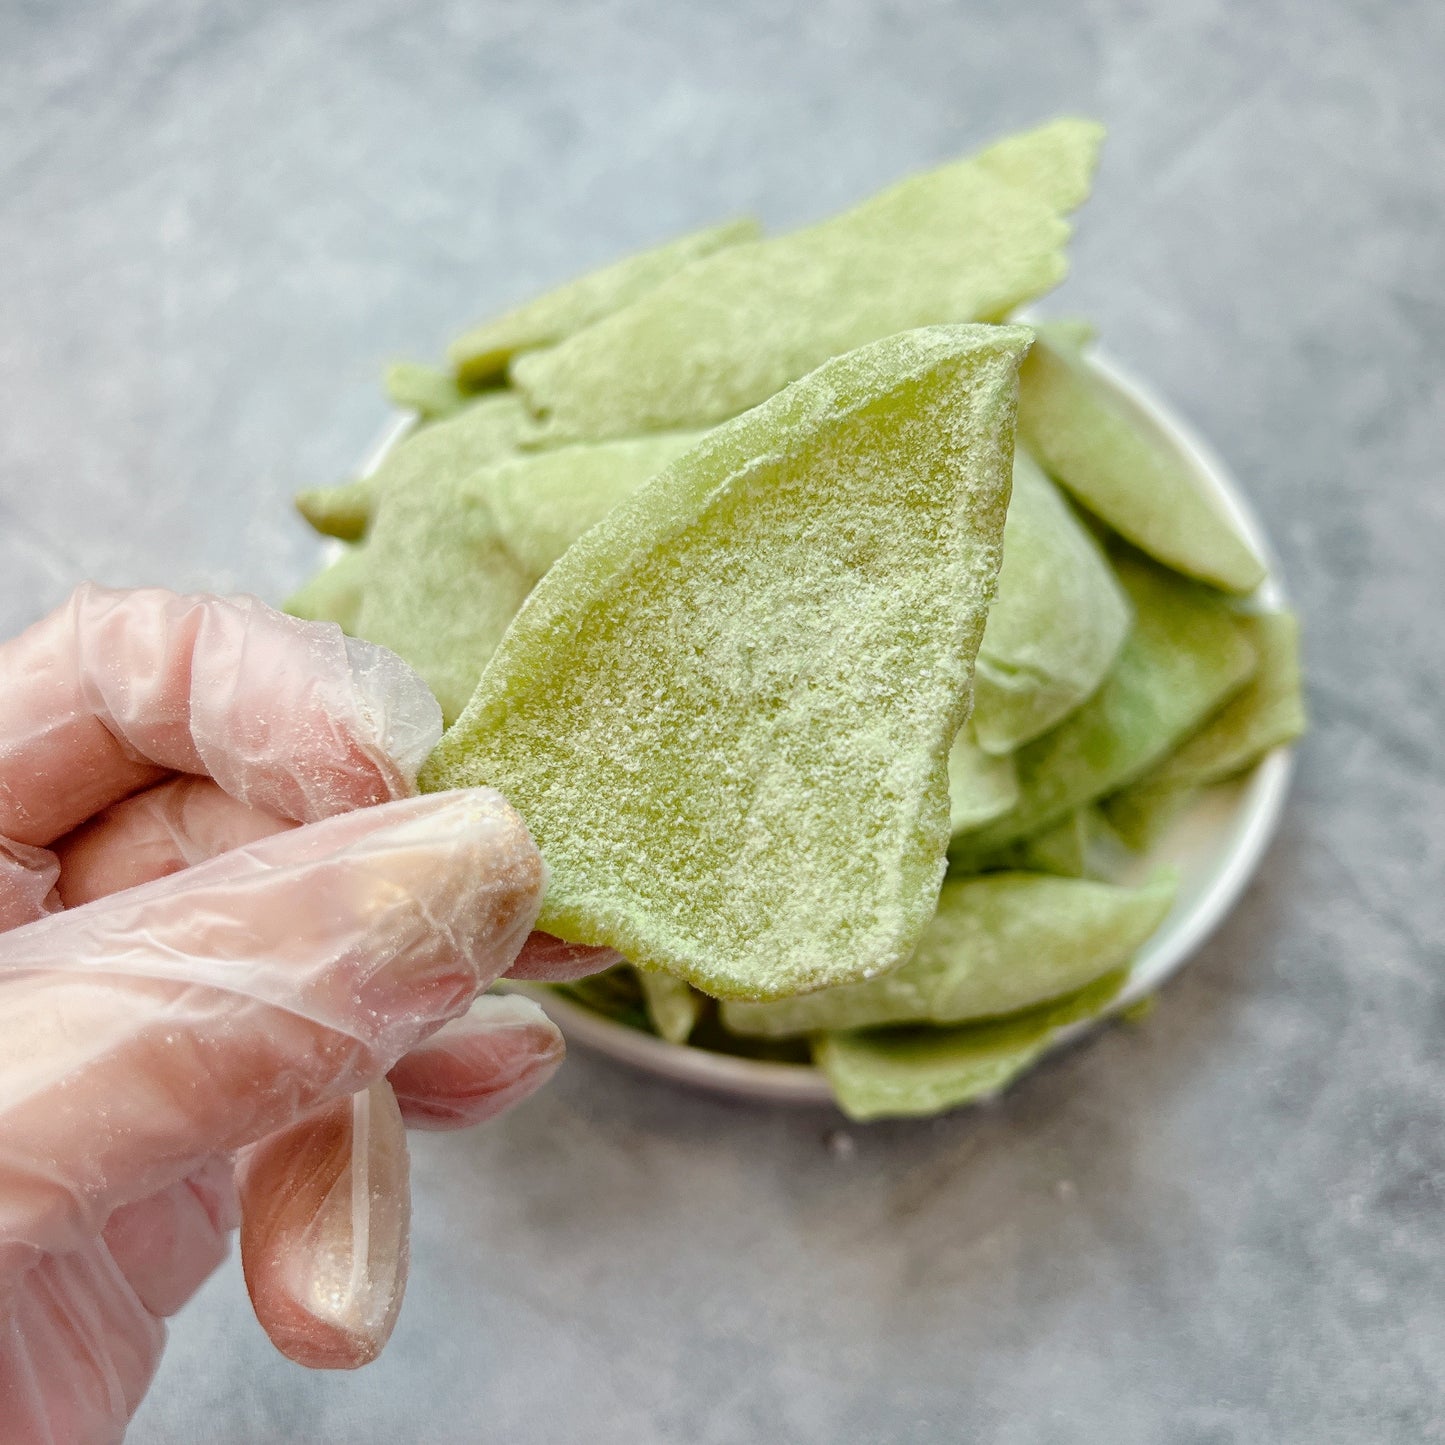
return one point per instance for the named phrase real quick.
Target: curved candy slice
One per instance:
(953, 244)
(544, 501)
(981, 786)
(1095, 443)
(1185, 656)
(484, 431)
(726, 712)
(427, 390)
(997, 945)
(1061, 849)
(483, 353)
(908, 1072)
(450, 562)
(1055, 162)
(673, 1008)
(334, 594)
(1266, 714)
(1057, 624)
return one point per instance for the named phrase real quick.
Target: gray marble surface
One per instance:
(218, 220)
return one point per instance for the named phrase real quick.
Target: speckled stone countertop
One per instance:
(218, 220)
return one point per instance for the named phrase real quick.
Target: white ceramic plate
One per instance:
(1216, 845)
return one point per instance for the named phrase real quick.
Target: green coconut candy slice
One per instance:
(726, 712)
(334, 594)
(485, 431)
(998, 945)
(1115, 461)
(1266, 714)
(483, 353)
(427, 390)
(1186, 655)
(917, 1070)
(951, 245)
(981, 786)
(449, 563)
(1058, 622)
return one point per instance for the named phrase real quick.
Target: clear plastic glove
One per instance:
(187, 976)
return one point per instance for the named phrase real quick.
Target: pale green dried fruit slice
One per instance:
(1115, 461)
(483, 353)
(1062, 850)
(981, 786)
(1055, 162)
(427, 390)
(726, 712)
(954, 244)
(544, 501)
(334, 594)
(451, 561)
(1266, 714)
(483, 432)
(343, 511)
(1185, 656)
(1067, 333)
(918, 1071)
(997, 945)
(673, 1008)
(1057, 624)
(1079, 846)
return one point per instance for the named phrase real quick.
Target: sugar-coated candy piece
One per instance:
(334, 594)
(950, 245)
(920, 1070)
(427, 390)
(1185, 656)
(981, 786)
(1267, 712)
(1115, 461)
(726, 712)
(483, 432)
(450, 562)
(1055, 162)
(673, 1007)
(997, 945)
(1057, 624)
(483, 353)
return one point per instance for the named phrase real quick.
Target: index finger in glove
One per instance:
(146, 1031)
(114, 690)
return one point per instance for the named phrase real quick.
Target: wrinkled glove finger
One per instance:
(167, 1245)
(166, 829)
(496, 1054)
(325, 1226)
(146, 1031)
(79, 1350)
(27, 883)
(545, 959)
(116, 689)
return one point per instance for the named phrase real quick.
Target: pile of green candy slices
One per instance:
(820, 622)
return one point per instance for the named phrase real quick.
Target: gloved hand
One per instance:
(187, 976)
